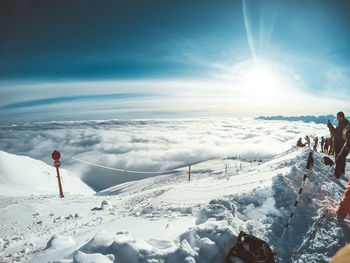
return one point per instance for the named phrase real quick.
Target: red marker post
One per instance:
(56, 156)
(189, 173)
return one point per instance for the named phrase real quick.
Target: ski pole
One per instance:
(341, 152)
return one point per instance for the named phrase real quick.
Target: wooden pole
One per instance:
(59, 182)
(189, 173)
(56, 156)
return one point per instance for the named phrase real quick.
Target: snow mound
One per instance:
(81, 257)
(22, 176)
(60, 242)
(220, 209)
(205, 243)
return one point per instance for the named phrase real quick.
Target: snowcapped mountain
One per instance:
(310, 118)
(169, 219)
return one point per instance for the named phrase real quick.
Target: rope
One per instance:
(123, 170)
(226, 187)
(286, 152)
(144, 172)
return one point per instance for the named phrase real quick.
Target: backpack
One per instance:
(328, 161)
(346, 133)
(250, 249)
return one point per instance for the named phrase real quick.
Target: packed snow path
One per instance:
(168, 219)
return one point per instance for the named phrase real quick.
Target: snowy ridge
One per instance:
(22, 175)
(168, 219)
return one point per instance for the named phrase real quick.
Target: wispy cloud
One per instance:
(244, 95)
(57, 100)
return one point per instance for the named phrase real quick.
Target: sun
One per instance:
(260, 82)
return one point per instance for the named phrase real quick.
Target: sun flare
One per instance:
(260, 82)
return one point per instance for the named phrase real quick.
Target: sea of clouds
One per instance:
(151, 145)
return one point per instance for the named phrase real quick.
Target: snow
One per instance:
(81, 257)
(166, 218)
(22, 175)
(59, 242)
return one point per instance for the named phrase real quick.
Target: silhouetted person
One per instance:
(316, 143)
(307, 139)
(338, 144)
(322, 144)
(300, 143)
(326, 145)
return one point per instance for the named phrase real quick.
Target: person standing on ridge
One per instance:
(307, 139)
(331, 144)
(344, 206)
(316, 143)
(322, 143)
(300, 143)
(337, 134)
(326, 144)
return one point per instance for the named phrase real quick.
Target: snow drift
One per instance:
(168, 219)
(261, 211)
(22, 175)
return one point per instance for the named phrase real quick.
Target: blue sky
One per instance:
(176, 58)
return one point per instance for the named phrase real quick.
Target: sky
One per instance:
(76, 60)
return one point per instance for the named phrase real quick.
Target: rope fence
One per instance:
(237, 167)
(124, 170)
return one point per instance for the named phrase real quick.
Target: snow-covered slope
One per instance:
(22, 175)
(168, 219)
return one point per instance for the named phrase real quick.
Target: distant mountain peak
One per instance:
(309, 118)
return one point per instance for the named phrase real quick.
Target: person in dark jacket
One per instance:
(300, 143)
(331, 146)
(326, 145)
(338, 144)
(322, 144)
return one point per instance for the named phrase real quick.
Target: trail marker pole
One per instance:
(56, 157)
(225, 169)
(309, 165)
(189, 173)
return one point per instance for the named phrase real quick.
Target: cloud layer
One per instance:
(151, 145)
(33, 102)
